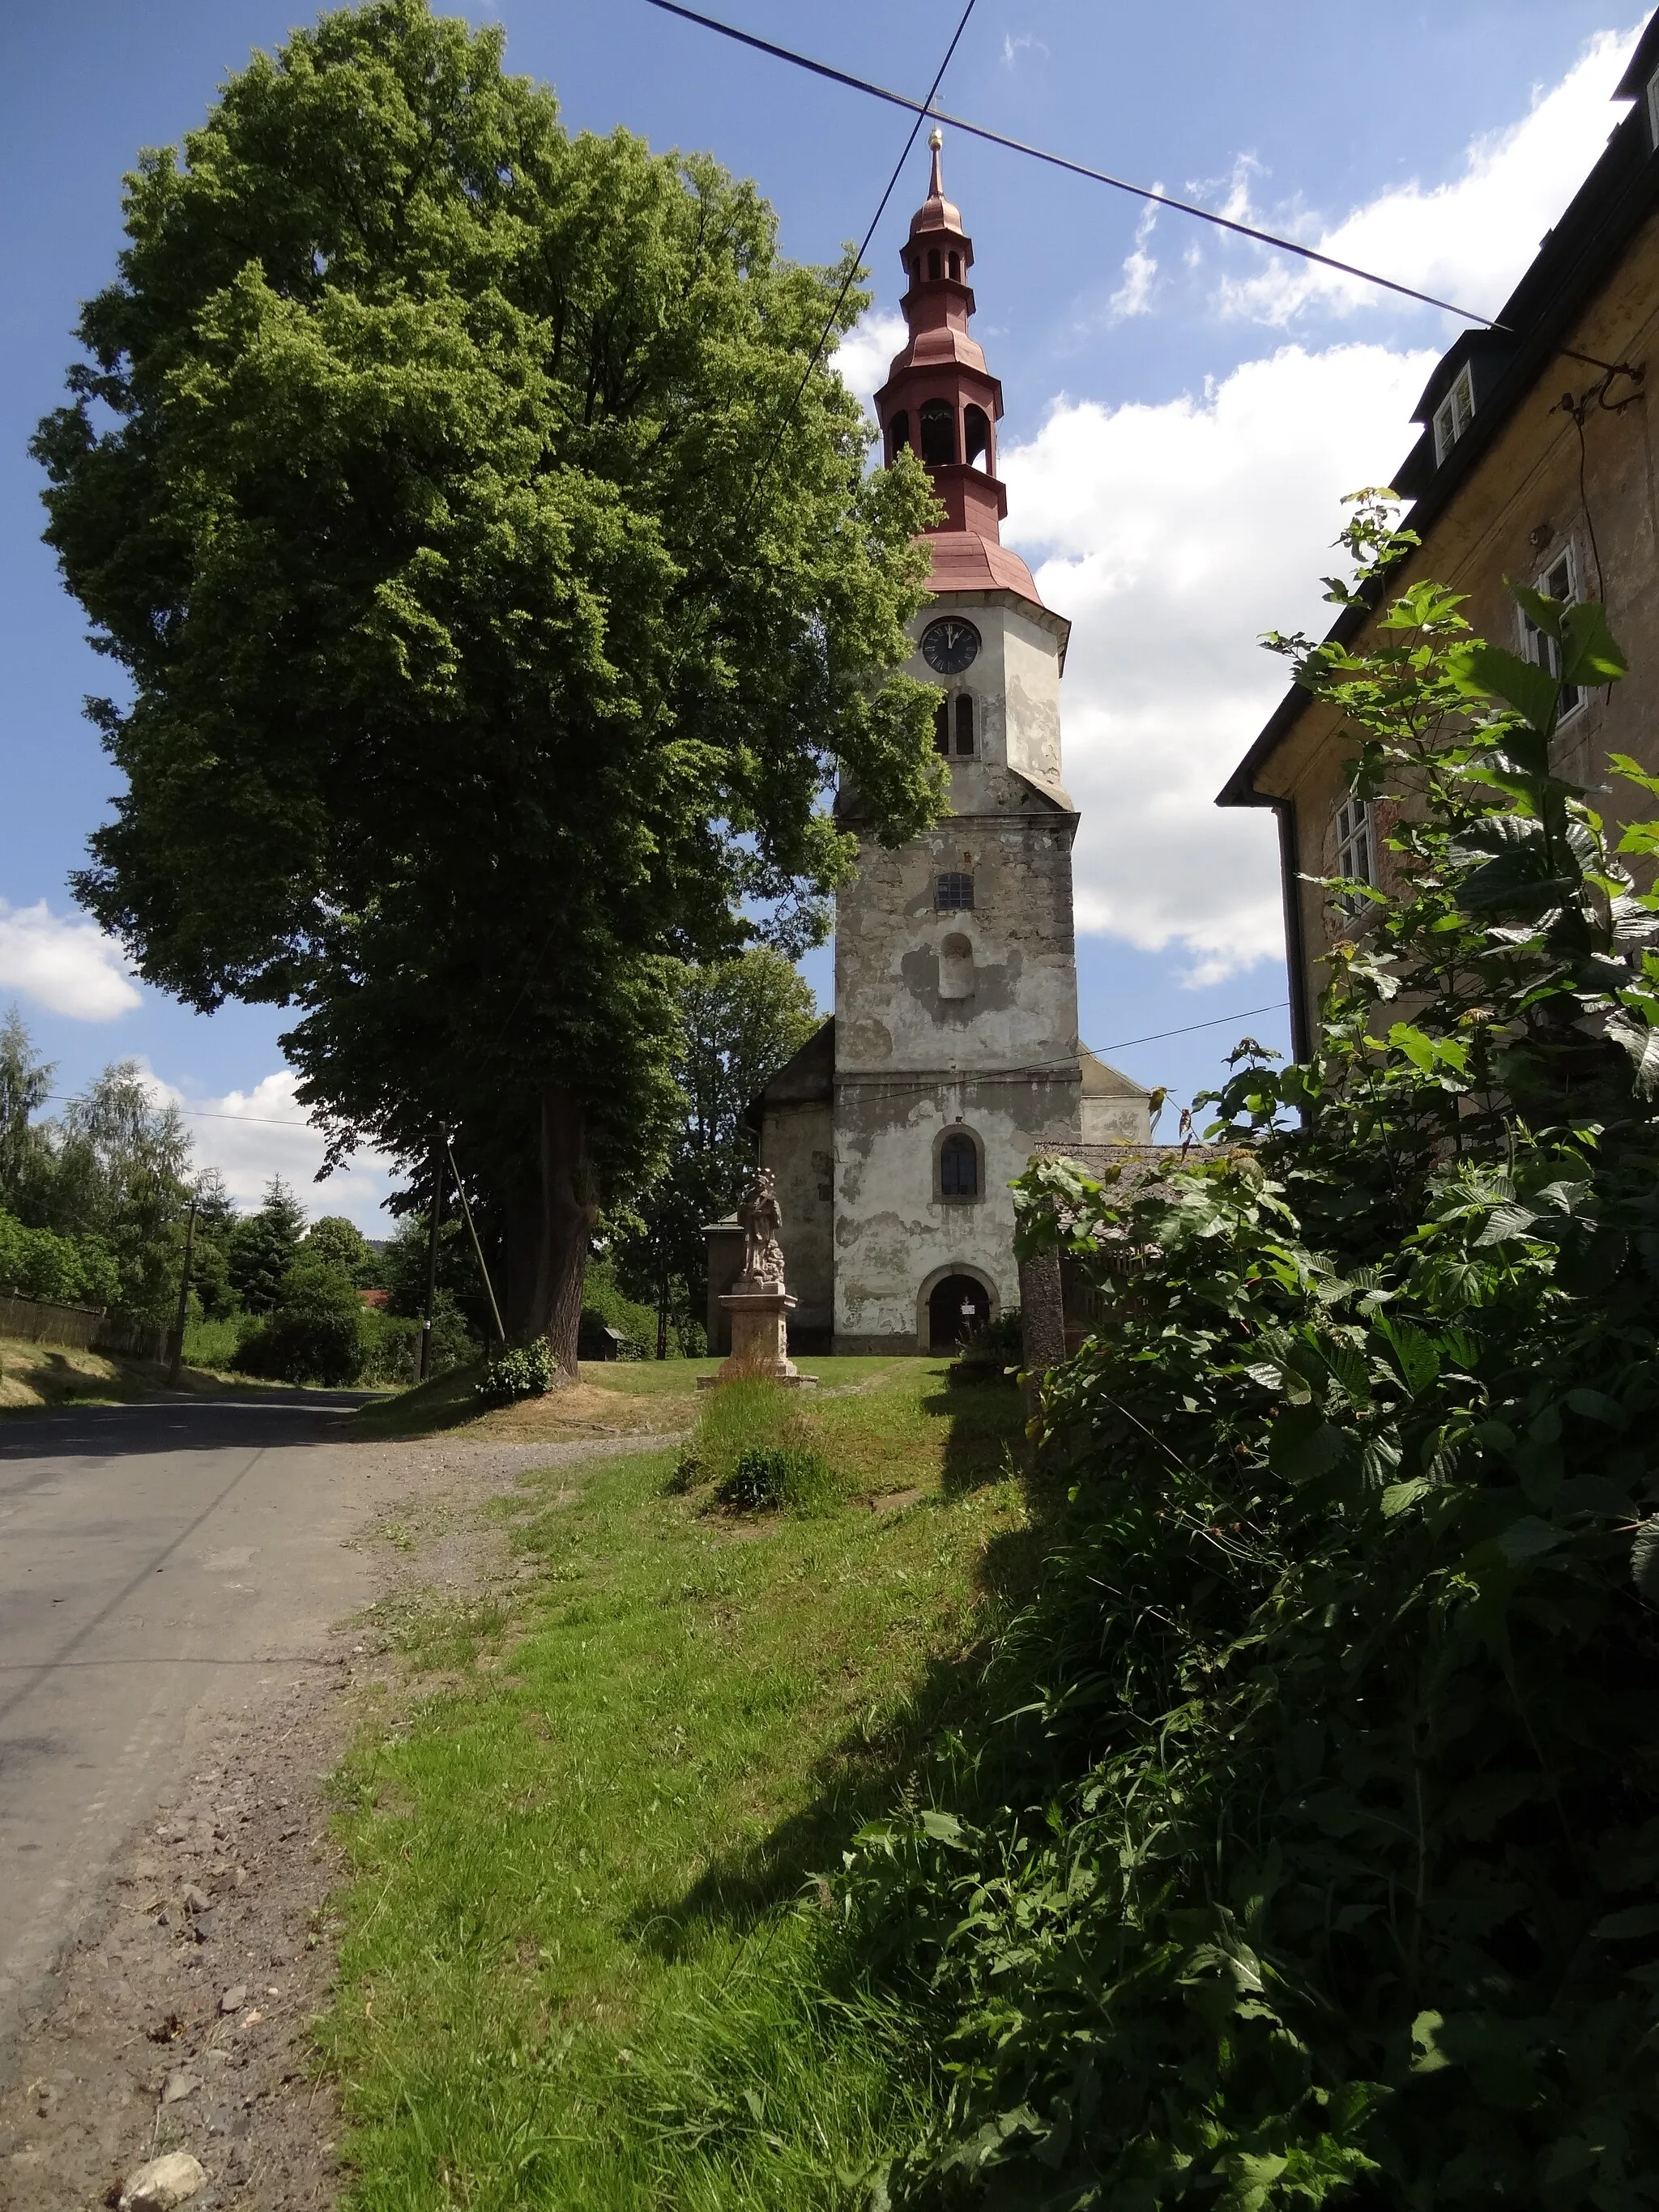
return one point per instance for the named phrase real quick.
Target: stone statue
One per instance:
(761, 1217)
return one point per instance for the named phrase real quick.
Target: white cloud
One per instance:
(1174, 535)
(64, 962)
(1467, 240)
(866, 354)
(252, 1135)
(1134, 295)
(1013, 48)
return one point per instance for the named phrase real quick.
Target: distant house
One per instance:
(1535, 460)
(374, 1298)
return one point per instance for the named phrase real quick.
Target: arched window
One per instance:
(933, 264)
(956, 269)
(942, 727)
(976, 429)
(939, 431)
(953, 893)
(965, 723)
(956, 967)
(899, 429)
(958, 1166)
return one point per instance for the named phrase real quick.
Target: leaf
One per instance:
(943, 1827)
(1644, 1559)
(1303, 1444)
(1506, 1221)
(1596, 1406)
(1416, 1354)
(1527, 1539)
(1641, 1040)
(1400, 1495)
(1541, 611)
(1589, 652)
(1417, 1048)
(1487, 672)
(1622, 1927)
(1250, 2174)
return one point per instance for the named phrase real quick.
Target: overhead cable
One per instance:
(1075, 168)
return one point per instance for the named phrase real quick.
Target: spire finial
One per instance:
(936, 182)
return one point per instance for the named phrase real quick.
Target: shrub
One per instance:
(392, 1347)
(325, 1348)
(522, 1370)
(1314, 1859)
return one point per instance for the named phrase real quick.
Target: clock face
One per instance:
(950, 645)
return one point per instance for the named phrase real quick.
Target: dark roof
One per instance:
(808, 1080)
(1573, 261)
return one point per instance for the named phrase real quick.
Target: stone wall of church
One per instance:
(896, 1234)
(797, 1143)
(946, 1020)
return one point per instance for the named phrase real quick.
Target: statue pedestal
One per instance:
(760, 1337)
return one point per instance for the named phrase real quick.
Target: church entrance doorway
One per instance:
(956, 1308)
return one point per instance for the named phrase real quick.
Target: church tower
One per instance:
(954, 1052)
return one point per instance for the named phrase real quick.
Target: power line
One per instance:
(1220, 1022)
(196, 1113)
(1075, 168)
(855, 265)
(764, 468)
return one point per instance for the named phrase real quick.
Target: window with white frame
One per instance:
(1454, 414)
(1558, 581)
(1356, 849)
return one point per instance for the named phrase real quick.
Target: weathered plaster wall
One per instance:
(797, 1143)
(929, 1036)
(892, 1233)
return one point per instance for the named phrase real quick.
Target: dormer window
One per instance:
(1454, 414)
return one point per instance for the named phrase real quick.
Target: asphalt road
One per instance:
(158, 1564)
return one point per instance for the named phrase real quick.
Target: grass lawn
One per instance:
(596, 1815)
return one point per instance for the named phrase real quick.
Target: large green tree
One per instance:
(740, 1020)
(499, 582)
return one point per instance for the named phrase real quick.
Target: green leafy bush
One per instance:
(37, 1263)
(392, 1347)
(323, 1348)
(520, 1371)
(1315, 1859)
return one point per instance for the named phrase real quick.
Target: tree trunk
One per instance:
(569, 1207)
(522, 1256)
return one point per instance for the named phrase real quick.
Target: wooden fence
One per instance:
(83, 1329)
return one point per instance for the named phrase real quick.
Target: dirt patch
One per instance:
(179, 2019)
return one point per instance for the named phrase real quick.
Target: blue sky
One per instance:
(1182, 412)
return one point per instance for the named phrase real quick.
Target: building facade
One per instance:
(1535, 460)
(953, 1054)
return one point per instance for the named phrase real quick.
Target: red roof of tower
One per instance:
(941, 400)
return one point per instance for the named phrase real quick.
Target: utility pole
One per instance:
(434, 1221)
(177, 1361)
